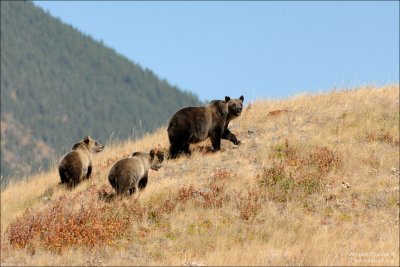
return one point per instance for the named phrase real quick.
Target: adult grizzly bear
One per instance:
(76, 165)
(191, 125)
(131, 174)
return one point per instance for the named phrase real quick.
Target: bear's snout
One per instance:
(100, 148)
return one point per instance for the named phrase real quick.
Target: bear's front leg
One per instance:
(143, 183)
(227, 135)
(89, 172)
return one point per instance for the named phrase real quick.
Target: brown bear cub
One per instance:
(131, 174)
(76, 165)
(191, 125)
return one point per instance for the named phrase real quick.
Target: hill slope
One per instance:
(58, 85)
(315, 182)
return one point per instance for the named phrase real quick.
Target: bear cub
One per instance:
(131, 174)
(191, 125)
(76, 165)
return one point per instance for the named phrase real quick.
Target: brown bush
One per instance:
(65, 224)
(325, 159)
(273, 175)
(157, 210)
(222, 174)
(210, 195)
(383, 137)
(249, 205)
(185, 193)
(285, 152)
(294, 176)
(277, 182)
(205, 197)
(309, 182)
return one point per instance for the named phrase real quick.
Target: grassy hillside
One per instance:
(58, 85)
(315, 182)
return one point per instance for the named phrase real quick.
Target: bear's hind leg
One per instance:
(186, 149)
(216, 140)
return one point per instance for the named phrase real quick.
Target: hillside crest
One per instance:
(314, 182)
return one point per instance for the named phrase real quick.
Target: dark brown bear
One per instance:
(195, 124)
(76, 165)
(131, 174)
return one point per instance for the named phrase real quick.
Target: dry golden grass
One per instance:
(335, 200)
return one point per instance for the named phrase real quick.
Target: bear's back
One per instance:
(71, 165)
(128, 168)
(71, 159)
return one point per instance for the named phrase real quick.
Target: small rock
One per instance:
(395, 171)
(373, 171)
(346, 185)
(272, 129)
(205, 190)
(301, 138)
(274, 138)
(340, 202)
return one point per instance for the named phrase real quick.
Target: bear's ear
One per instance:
(135, 154)
(227, 98)
(152, 153)
(86, 139)
(241, 98)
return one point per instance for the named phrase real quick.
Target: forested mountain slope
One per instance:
(58, 85)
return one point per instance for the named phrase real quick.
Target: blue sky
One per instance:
(257, 49)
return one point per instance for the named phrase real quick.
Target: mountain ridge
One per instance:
(58, 85)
